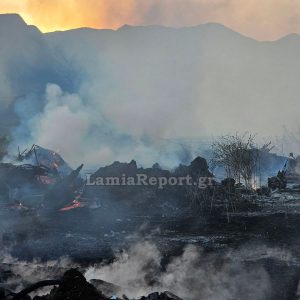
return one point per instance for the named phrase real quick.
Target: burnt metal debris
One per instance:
(42, 172)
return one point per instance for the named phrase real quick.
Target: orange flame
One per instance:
(76, 204)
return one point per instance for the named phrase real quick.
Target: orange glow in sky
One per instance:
(260, 19)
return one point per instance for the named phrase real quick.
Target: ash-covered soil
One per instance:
(264, 241)
(225, 243)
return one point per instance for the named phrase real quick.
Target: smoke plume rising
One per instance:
(99, 96)
(192, 275)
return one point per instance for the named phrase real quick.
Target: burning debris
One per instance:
(40, 178)
(39, 156)
(65, 191)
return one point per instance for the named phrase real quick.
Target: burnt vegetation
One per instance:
(234, 180)
(38, 184)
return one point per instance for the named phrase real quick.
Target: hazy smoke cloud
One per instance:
(78, 130)
(26, 273)
(98, 96)
(192, 275)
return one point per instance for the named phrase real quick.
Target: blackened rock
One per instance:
(108, 289)
(117, 169)
(75, 287)
(162, 296)
(197, 168)
(2, 293)
(6, 294)
(170, 296)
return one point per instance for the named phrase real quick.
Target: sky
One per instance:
(259, 19)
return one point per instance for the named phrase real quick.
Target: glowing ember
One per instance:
(76, 204)
(19, 206)
(46, 180)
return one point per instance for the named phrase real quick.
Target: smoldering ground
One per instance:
(191, 275)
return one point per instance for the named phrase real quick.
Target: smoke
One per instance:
(75, 128)
(139, 271)
(133, 269)
(63, 124)
(193, 275)
(20, 273)
(141, 268)
(96, 97)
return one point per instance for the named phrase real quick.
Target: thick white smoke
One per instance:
(65, 124)
(25, 273)
(78, 131)
(193, 275)
(99, 96)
